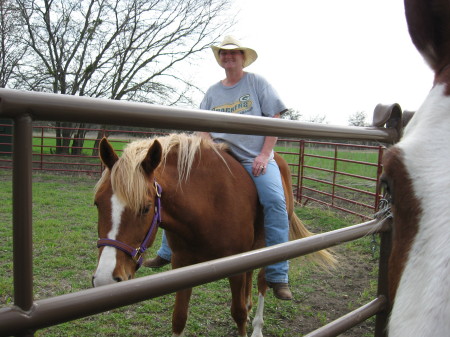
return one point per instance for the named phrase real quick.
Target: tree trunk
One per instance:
(78, 140)
(64, 136)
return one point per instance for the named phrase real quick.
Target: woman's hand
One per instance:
(260, 165)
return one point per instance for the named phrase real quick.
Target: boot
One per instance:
(281, 291)
(156, 262)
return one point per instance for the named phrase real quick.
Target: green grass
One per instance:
(318, 158)
(65, 235)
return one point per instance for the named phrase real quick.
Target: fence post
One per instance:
(301, 162)
(42, 149)
(334, 174)
(22, 213)
(379, 172)
(383, 286)
(297, 175)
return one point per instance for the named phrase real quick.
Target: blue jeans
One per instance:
(164, 251)
(276, 223)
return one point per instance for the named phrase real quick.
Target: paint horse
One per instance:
(417, 176)
(209, 210)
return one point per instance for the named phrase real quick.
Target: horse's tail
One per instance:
(297, 229)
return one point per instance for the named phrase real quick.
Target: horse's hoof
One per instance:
(257, 334)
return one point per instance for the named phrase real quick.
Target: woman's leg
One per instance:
(276, 223)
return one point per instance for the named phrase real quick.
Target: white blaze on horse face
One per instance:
(422, 303)
(107, 262)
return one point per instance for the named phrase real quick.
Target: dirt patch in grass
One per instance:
(323, 296)
(337, 293)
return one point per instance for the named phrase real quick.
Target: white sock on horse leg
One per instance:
(258, 321)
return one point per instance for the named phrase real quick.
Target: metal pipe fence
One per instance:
(27, 315)
(325, 172)
(329, 182)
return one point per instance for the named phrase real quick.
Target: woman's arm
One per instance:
(261, 161)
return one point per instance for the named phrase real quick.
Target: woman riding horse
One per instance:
(249, 94)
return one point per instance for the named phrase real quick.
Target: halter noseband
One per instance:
(137, 253)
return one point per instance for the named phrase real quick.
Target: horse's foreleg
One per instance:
(180, 312)
(258, 321)
(239, 302)
(248, 293)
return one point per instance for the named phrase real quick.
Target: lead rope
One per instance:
(384, 212)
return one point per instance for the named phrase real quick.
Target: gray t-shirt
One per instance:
(252, 95)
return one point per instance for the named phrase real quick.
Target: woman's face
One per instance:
(231, 59)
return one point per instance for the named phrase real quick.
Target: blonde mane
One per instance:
(127, 175)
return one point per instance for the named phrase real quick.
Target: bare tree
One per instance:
(296, 115)
(118, 49)
(319, 118)
(357, 119)
(292, 115)
(11, 50)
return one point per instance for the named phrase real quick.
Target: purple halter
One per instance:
(136, 253)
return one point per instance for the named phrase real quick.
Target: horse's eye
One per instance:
(387, 188)
(145, 209)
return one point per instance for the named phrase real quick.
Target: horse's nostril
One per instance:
(92, 281)
(129, 277)
(118, 279)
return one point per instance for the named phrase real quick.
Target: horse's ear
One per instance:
(107, 153)
(153, 158)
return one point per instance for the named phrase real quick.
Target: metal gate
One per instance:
(28, 315)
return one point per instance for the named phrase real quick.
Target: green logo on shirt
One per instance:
(241, 106)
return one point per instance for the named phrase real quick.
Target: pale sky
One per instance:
(330, 57)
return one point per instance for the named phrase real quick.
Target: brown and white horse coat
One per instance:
(417, 175)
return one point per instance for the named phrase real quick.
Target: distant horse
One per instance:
(417, 176)
(209, 210)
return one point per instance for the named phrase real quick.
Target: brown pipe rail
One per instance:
(28, 315)
(67, 108)
(67, 307)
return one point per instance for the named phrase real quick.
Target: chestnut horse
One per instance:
(417, 176)
(209, 210)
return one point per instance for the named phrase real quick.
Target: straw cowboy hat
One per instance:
(231, 43)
